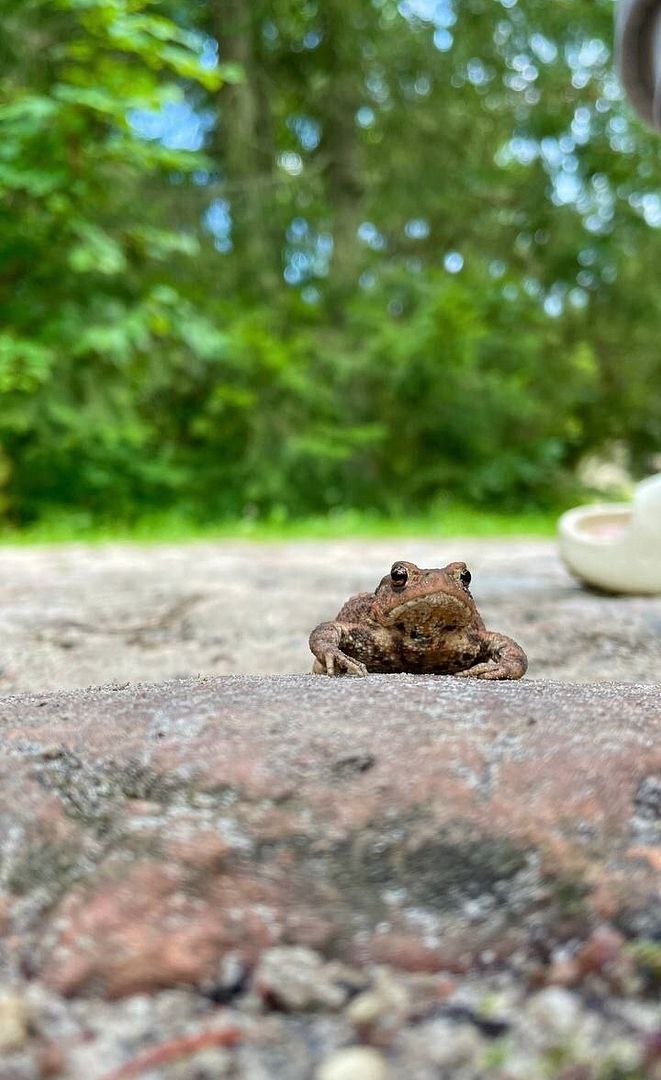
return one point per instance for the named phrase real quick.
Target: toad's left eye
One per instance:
(465, 577)
(399, 576)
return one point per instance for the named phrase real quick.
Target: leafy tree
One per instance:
(87, 296)
(275, 258)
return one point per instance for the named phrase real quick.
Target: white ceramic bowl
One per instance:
(616, 546)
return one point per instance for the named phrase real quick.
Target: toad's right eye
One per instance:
(399, 575)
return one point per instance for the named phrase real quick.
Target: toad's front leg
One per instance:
(325, 643)
(507, 660)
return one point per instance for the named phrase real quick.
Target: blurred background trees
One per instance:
(283, 258)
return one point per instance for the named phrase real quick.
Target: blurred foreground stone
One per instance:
(353, 852)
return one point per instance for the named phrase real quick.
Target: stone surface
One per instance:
(79, 615)
(311, 863)
(148, 831)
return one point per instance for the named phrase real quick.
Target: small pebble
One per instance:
(446, 1044)
(13, 1021)
(354, 1063)
(294, 977)
(387, 999)
(554, 1011)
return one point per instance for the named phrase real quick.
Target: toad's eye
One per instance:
(399, 575)
(465, 577)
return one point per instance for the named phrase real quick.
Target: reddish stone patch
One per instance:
(238, 829)
(147, 931)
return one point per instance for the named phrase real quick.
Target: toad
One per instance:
(417, 621)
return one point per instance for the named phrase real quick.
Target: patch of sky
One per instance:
(368, 233)
(593, 53)
(367, 280)
(595, 223)
(476, 73)
(325, 244)
(417, 229)
(439, 12)
(503, 32)
(551, 152)
(544, 50)
(523, 64)
(622, 144)
(566, 188)
(580, 79)
(309, 254)
(610, 87)
(578, 298)
(515, 82)
(291, 162)
(651, 206)
(365, 116)
(443, 39)
(298, 267)
(310, 295)
(298, 230)
(497, 268)
(585, 279)
(217, 220)
(323, 250)
(307, 131)
(582, 55)
(312, 39)
(580, 125)
(376, 86)
(521, 149)
(587, 256)
(453, 262)
(422, 85)
(208, 54)
(177, 125)
(554, 305)
(617, 125)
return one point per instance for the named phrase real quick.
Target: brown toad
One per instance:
(418, 621)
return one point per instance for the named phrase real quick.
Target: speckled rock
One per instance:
(206, 853)
(149, 831)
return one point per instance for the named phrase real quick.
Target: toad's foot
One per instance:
(335, 662)
(508, 661)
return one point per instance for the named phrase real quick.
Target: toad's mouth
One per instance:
(436, 607)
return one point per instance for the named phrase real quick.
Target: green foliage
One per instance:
(429, 273)
(85, 294)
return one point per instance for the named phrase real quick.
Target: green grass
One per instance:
(172, 527)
